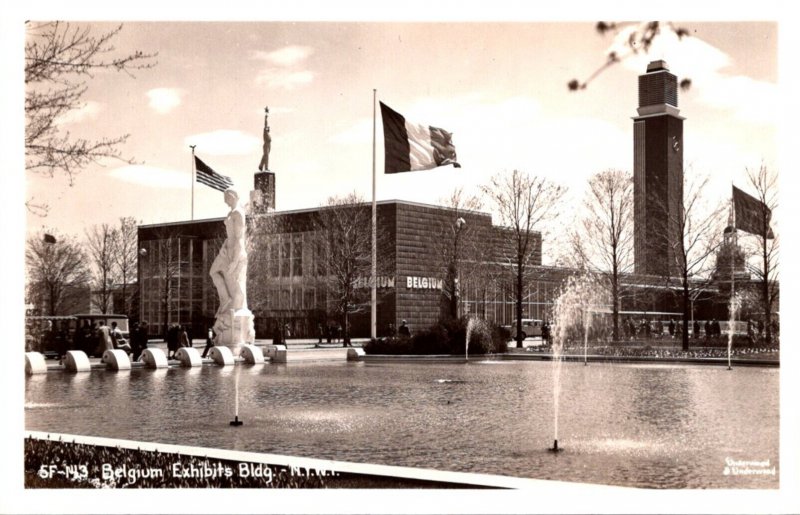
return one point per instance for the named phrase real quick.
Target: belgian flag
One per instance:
(410, 146)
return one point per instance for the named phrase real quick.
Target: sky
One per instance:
(500, 88)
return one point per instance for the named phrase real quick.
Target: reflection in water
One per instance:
(626, 425)
(662, 398)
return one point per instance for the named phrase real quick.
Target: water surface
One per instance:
(660, 426)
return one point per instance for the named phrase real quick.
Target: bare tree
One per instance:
(700, 226)
(100, 242)
(637, 38)
(161, 264)
(603, 241)
(765, 184)
(59, 58)
(57, 273)
(343, 227)
(125, 256)
(264, 231)
(523, 202)
(458, 249)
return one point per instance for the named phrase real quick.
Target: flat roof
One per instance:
(317, 208)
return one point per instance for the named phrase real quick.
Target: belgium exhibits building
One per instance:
(287, 275)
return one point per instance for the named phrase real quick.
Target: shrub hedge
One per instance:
(445, 337)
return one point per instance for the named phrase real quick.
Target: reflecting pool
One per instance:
(659, 426)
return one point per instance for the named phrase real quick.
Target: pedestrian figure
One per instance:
(671, 328)
(115, 334)
(143, 336)
(546, 332)
(696, 329)
(320, 332)
(403, 331)
(209, 342)
(103, 339)
(708, 329)
(172, 338)
(183, 337)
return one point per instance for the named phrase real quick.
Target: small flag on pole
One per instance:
(751, 214)
(207, 176)
(410, 147)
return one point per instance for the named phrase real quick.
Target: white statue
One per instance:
(229, 274)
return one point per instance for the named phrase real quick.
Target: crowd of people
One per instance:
(82, 467)
(177, 337)
(98, 338)
(703, 352)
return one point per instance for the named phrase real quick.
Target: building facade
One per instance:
(289, 276)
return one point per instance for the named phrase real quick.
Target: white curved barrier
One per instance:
(355, 354)
(154, 358)
(189, 357)
(221, 355)
(77, 361)
(116, 359)
(35, 363)
(252, 355)
(271, 351)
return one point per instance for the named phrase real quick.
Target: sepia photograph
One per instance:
(309, 259)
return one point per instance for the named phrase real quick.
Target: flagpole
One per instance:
(193, 172)
(733, 259)
(733, 239)
(374, 302)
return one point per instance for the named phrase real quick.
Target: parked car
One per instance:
(531, 328)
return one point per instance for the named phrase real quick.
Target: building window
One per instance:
(297, 255)
(308, 299)
(319, 259)
(274, 259)
(286, 248)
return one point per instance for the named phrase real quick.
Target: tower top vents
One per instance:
(656, 66)
(658, 86)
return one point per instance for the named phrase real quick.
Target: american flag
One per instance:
(207, 176)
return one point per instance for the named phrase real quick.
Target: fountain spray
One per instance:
(236, 422)
(572, 312)
(735, 304)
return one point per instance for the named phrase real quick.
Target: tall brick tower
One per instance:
(657, 172)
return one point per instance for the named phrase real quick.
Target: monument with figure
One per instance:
(262, 198)
(263, 166)
(234, 322)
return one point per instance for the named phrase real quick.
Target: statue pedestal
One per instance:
(235, 329)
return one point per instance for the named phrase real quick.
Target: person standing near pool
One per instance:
(209, 342)
(403, 331)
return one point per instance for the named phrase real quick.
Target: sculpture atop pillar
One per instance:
(264, 164)
(234, 322)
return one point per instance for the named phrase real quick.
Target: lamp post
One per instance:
(454, 297)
